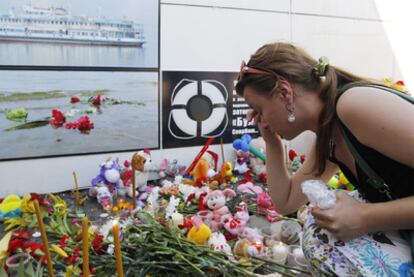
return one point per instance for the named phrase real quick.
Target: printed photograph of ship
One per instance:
(79, 33)
(55, 113)
(55, 25)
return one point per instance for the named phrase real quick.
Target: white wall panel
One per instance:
(200, 38)
(53, 175)
(356, 45)
(271, 5)
(350, 8)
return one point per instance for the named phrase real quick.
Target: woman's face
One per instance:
(272, 111)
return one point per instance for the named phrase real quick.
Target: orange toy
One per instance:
(200, 172)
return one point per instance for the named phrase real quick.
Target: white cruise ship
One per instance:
(55, 25)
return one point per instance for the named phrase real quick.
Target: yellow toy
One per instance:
(10, 203)
(343, 181)
(200, 233)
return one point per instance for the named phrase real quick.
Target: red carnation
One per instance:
(83, 124)
(15, 244)
(20, 234)
(57, 118)
(74, 100)
(96, 100)
(292, 154)
(201, 205)
(63, 241)
(97, 244)
(127, 163)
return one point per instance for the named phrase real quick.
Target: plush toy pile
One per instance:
(206, 222)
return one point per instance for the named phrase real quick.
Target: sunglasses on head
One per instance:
(244, 69)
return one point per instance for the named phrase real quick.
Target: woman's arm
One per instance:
(397, 214)
(380, 120)
(284, 189)
(384, 122)
(350, 218)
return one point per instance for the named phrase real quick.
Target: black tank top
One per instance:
(399, 177)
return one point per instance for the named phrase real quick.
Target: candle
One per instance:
(85, 246)
(44, 238)
(299, 256)
(280, 252)
(76, 190)
(134, 190)
(118, 254)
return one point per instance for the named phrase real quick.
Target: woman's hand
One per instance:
(346, 220)
(257, 119)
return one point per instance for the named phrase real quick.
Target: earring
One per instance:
(291, 117)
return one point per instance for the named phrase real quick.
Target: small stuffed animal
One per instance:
(236, 225)
(104, 198)
(217, 242)
(141, 163)
(109, 176)
(256, 164)
(216, 201)
(242, 162)
(200, 233)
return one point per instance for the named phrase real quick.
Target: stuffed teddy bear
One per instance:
(216, 202)
(141, 163)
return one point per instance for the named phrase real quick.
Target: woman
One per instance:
(290, 92)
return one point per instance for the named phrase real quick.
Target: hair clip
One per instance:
(320, 67)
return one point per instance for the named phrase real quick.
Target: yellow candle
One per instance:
(134, 190)
(85, 246)
(118, 254)
(76, 190)
(44, 238)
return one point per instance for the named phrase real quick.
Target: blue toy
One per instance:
(243, 144)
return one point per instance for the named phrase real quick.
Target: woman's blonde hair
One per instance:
(297, 66)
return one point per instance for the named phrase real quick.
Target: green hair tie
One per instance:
(320, 67)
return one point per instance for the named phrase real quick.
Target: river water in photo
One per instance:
(125, 126)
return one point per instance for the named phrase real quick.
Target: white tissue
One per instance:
(318, 194)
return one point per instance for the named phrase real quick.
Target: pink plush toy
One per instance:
(236, 225)
(216, 201)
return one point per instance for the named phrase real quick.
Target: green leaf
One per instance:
(29, 270)
(3, 272)
(20, 269)
(39, 270)
(29, 125)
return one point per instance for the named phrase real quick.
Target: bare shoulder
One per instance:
(379, 119)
